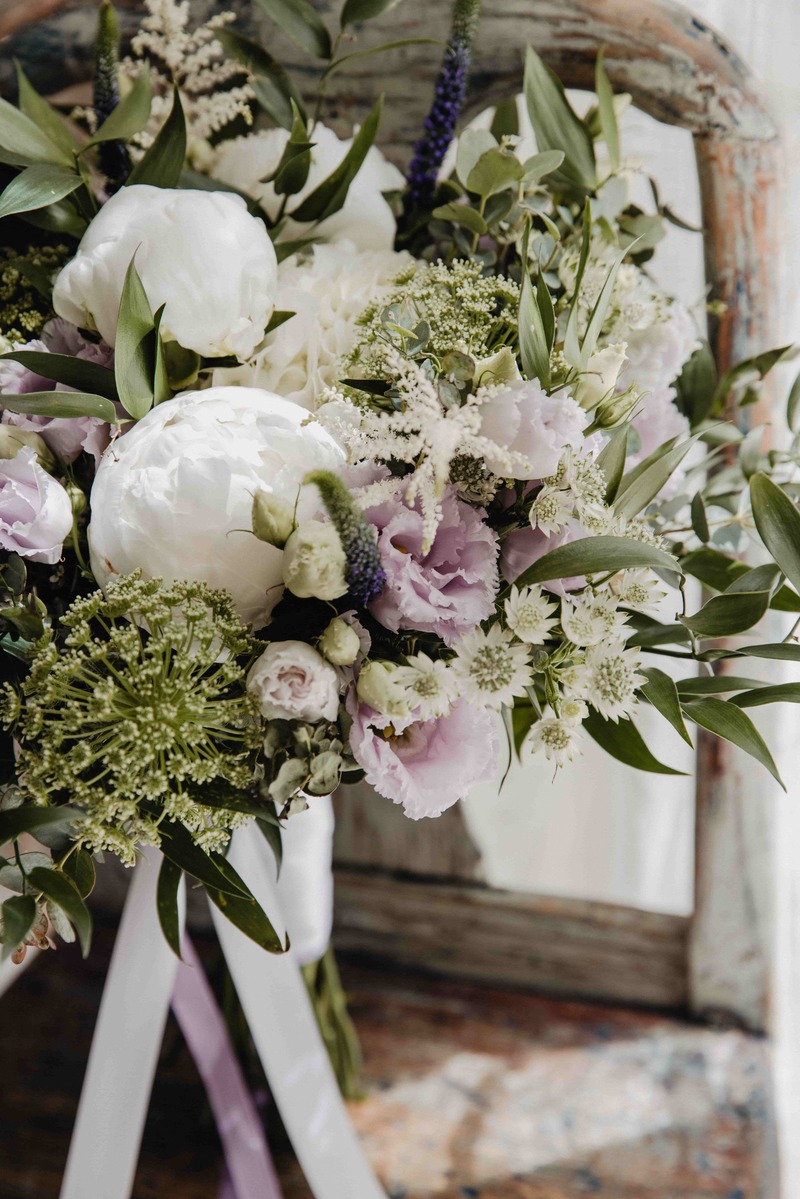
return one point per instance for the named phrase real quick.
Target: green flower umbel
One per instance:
(144, 705)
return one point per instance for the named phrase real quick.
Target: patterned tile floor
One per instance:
(473, 1094)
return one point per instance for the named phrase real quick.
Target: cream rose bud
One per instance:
(314, 562)
(273, 518)
(340, 643)
(380, 685)
(200, 253)
(600, 376)
(497, 368)
(291, 681)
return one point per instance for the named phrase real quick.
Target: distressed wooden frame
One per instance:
(413, 893)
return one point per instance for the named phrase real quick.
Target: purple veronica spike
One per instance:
(364, 573)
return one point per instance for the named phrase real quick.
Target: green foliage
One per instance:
(731, 724)
(596, 555)
(623, 741)
(61, 891)
(329, 196)
(299, 20)
(18, 915)
(161, 165)
(37, 186)
(557, 127)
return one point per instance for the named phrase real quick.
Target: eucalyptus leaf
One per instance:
(539, 165)
(62, 891)
(162, 163)
(596, 555)
(37, 186)
(300, 21)
(471, 145)
(167, 891)
(461, 214)
(19, 914)
(778, 523)
(623, 741)
(129, 117)
(494, 171)
(556, 125)
(727, 721)
(329, 196)
(60, 403)
(661, 692)
(64, 368)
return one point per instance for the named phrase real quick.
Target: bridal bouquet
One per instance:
(313, 472)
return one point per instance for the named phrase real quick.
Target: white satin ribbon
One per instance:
(127, 1039)
(305, 882)
(284, 1030)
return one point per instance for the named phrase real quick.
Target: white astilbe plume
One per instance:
(193, 59)
(421, 432)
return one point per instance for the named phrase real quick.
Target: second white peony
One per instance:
(174, 496)
(200, 253)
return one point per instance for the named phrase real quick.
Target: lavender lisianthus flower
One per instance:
(426, 765)
(35, 510)
(446, 590)
(519, 415)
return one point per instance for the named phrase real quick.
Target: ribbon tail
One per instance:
(122, 1061)
(285, 1032)
(252, 1173)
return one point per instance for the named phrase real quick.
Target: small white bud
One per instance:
(381, 686)
(340, 643)
(314, 562)
(273, 518)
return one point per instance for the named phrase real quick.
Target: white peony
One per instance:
(327, 290)
(174, 496)
(291, 681)
(365, 217)
(199, 252)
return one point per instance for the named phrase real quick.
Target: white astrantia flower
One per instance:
(552, 509)
(573, 710)
(529, 614)
(429, 686)
(199, 253)
(640, 590)
(327, 288)
(174, 496)
(558, 738)
(581, 622)
(365, 219)
(608, 679)
(491, 668)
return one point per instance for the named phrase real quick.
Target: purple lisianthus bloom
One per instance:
(426, 765)
(35, 510)
(65, 436)
(447, 590)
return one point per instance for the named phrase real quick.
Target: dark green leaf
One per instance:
(162, 164)
(271, 832)
(608, 116)
(793, 407)
(355, 12)
(329, 196)
(79, 867)
(779, 693)
(596, 555)
(62, 891)
(246, 913)
(167, 887)
(292, 170)
(623, 741)
(546, 310)
(22, 142)
(636, 492)
(209, 869)
(60, 403)
(29, 817)
(661, 692)
(727, 721)
(556, 126)
(299, 21)
(223, 796)
(611, 461)
(134, 352)
(728, 614)
(37, 187)
(129, 117)
(715, 684)
(61, 217)
(277, 319)
(19, 913)
(781, 651)
(273, 88)
(44, 115)
(63, 368)
(750, 370)
(696, 385)
(699, 518)
(778, 523)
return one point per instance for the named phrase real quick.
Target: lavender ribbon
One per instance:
(250, 1170)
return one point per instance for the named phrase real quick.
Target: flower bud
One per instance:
(77, 498)
(615, 410)
(13, 439)
(380, 686)
(499, 368)
(600, 376)
(314, 562)
(340, 643)
(273, 518)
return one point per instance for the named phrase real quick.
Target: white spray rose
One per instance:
(291, 681)
(35, 510)
(601, 375)
(381, 685)
(365, 218)
(314, 562)
(174, 496)
(327, 289)
(340, 643)
(199, 252)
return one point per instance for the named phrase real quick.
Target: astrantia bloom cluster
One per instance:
(142, 706)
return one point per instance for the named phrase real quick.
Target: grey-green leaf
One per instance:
(299, 21)
(37, 187)
(355, 12)
(129, 117)
(533, 344)
(19, 913)
(22, 142)
(778, 523)
(661, 692)
(134, 352)
(730, 723)
(596, 555)
(611, 460)
(60, 403)
(63, 368)
(44, 115)
(638, 493)
(556, 126)
(162, 164)
(605, 104)
(329, 196)
(61, 891)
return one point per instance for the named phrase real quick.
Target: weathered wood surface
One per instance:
(678, 70)
(557, 946)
